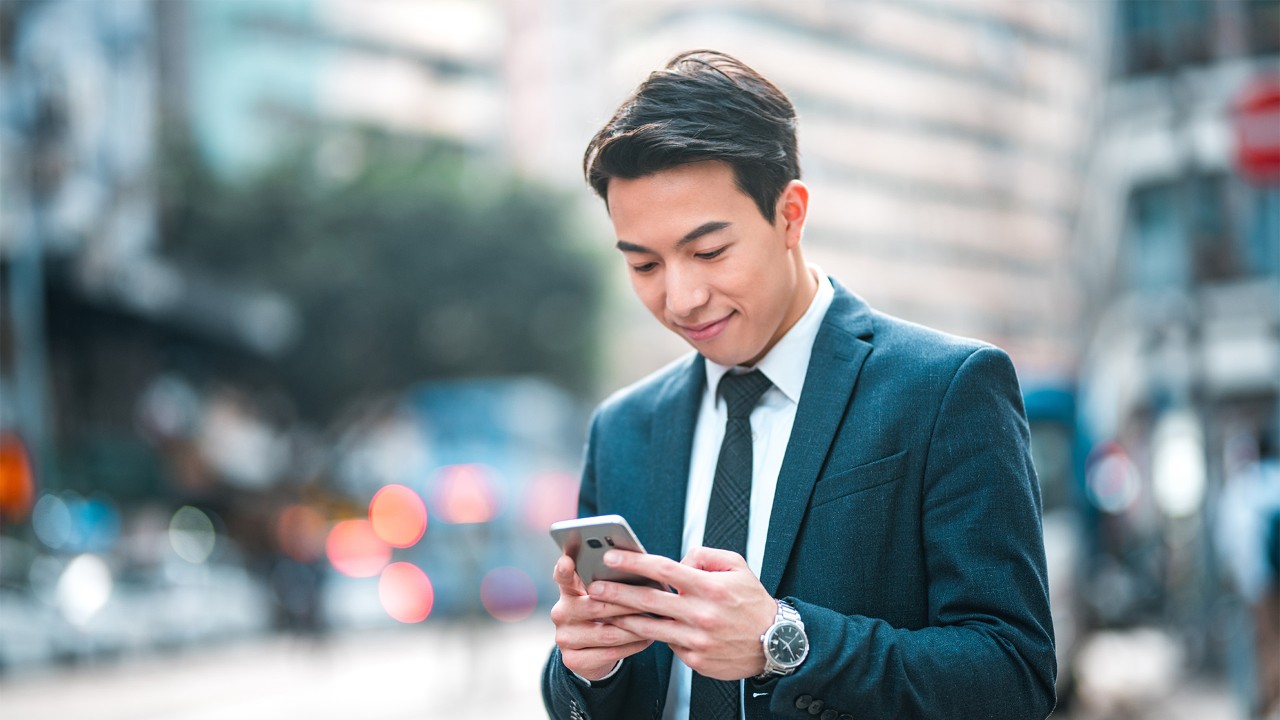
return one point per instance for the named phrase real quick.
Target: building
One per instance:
(1178, 255)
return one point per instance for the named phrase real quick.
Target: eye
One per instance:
(713, 254)
(646, 267)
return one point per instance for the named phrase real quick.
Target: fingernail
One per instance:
(612, 558)
(595, 589)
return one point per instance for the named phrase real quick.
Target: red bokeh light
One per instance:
(355, 550)
(17, 481)
(398, 515)
(406, 592)
(465, 494)
(550, 497)
(508, 594)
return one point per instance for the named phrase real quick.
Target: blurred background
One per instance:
(304, 305)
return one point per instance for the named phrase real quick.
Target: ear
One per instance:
(793, 210)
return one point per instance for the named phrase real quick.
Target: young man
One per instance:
(851, 495)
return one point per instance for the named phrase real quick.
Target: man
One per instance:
(858, 520)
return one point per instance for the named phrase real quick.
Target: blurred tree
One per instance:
(405, 261)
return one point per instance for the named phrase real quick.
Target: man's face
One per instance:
(706, 263)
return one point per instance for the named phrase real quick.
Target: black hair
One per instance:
(704, 105)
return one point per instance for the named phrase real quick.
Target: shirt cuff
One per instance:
(612, 672)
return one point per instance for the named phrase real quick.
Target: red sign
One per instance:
(1257, 124)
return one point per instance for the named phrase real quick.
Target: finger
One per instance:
(591, 609)
(585, 609)
(714, 560)
(601, 656)
(566, 578)
(664, 630)
(656, 567)
(638, 598)
(588, 635)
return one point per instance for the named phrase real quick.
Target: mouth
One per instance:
(705, 331)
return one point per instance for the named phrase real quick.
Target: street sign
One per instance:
(1257, 126)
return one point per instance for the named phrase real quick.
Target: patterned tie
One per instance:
(727, 522)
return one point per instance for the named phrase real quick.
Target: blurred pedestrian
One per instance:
(1248, 541)
(859, 519)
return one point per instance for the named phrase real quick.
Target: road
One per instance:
(436, 670)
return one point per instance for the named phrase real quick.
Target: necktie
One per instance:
(727, 515)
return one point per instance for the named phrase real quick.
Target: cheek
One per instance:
(649, 290)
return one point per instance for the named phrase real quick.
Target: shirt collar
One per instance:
(787, 362)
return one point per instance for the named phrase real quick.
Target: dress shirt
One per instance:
(785, 365)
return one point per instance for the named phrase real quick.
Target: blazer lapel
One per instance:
(838, 353)
(673, 420)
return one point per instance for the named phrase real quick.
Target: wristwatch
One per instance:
(785, 644)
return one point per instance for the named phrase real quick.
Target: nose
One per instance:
(686, 292)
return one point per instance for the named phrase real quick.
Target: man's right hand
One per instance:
(590, 645)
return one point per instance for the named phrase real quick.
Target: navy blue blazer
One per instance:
(905, 530)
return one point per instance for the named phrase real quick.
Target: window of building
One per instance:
(1159, 36)
(1215, 253)
(1201, 229)
(1156, 255)
(1262, 26)
(1261, 233)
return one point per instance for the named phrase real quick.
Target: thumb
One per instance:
(568, 580)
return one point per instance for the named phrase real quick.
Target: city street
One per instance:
(437, 670)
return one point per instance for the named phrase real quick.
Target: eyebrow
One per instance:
(705, 228)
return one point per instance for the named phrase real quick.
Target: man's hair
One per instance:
(704, 105)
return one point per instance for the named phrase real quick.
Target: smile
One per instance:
(706, 331)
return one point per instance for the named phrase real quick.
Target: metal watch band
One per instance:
(786, 613)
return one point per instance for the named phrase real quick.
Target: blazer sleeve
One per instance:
(987, 651)
(564, 695)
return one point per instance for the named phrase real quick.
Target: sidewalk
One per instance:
(457, 670)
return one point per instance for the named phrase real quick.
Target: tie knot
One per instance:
(742, 391)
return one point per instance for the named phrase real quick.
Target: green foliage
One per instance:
(419, 267)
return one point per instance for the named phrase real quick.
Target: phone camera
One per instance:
(609, 540)
(595, 543)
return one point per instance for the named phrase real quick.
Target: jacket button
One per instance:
(803, 701)
(815, 707)
(829, 714)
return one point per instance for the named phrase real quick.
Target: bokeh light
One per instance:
(1178, 467)
(465, 494)
(300, 532)
(51, 521)
(191, 534)
(508, 593)
(96, 523)
(83, 589)
(1112, 479)
(398, 515)
(17, 481)
(406, 592)
(355, 550)
(550, 497)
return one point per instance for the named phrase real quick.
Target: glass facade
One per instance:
(1153, 37)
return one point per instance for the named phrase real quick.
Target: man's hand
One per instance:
(591, 643)
(715, 621)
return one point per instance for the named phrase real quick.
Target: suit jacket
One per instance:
(905, 530)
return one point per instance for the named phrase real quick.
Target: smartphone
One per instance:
(586, 540)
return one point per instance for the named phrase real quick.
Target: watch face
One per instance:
(788, 644)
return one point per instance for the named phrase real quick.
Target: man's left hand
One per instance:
(712, 622)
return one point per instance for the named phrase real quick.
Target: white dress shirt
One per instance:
(785, 365)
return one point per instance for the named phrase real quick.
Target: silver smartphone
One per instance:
(586, 540)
